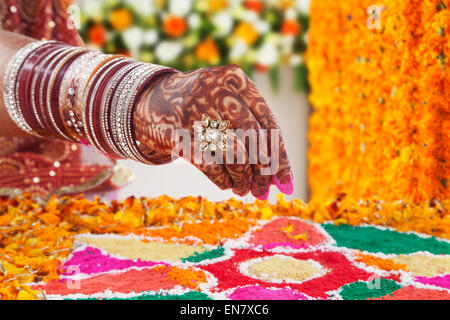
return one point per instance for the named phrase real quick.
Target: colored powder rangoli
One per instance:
(218, 251)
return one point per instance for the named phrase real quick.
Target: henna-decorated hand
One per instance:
(175, 101)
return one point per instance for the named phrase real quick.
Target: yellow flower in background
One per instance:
(120, 19)
(160, 4)
(246, 32)
(217, 5)
(287, 4)
(207, 52)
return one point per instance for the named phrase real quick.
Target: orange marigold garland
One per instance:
(381, 124)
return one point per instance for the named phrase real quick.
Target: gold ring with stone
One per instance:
(212, 134)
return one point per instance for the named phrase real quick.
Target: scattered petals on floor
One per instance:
(190, 248)
(269, 261)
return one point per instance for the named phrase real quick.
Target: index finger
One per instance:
(251, 96)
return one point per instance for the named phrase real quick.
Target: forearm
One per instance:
(53, 90)
(10, 44)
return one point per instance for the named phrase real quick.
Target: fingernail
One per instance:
(241, 193)
(264, 194)
(285, 184)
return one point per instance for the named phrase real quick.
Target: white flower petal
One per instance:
(168, 51)
(223, 23)
(180, 7)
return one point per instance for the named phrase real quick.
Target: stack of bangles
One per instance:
(53, 90)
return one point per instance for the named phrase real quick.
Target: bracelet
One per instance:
(141, 84)
(70, 111)
(108, 112)
(98, 123)
(10, 86)
(90, 92)
(43, 102)
(28, 81)
(53, 90)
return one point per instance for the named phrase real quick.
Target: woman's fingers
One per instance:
(247, 129)
(217, 174)
(238, 166)
(222, 82)
(279, 162)
(235, 160)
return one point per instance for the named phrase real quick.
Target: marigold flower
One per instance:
(207, 52)
(37, 238)
(381, 101)
(175, 26)
(246, 32)
(97, 35)
(254, 5)
(120, 19)
(291, 28)
(217, 5)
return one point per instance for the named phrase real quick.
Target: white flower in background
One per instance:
(92, 8)
(168, 51)
(133, 38)
(250, 16)
(180, 7)
(291, 14)
(303, 6)
(201, 6)
(238, 49)
(287, 44)
(274, 38)
(296, 60)
(194, 21)
(223, 23)
(143, 7)
(150, 37)
(238, 12)
(268, 54)
(234, 3)
(261, 26)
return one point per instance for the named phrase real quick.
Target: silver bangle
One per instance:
(10, 86)
(106, 106)
(90, 104)
(149, 71)
(122, 117)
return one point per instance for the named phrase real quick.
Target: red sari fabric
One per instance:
(45, 167)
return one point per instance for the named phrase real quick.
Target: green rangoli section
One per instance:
(193, 295)
(372, 239)
(205, 255)
(366, 290)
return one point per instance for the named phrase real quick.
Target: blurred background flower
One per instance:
(188, 34)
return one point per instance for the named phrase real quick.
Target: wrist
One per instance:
(147, 129)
